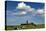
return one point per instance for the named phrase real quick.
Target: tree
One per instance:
(33, 24)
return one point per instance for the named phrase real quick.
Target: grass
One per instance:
(25, 27)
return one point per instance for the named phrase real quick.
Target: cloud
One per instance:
(40, 11)
(22, 5)
(20, 13)
(23, 9)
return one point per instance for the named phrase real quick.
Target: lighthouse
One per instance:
(27, 22)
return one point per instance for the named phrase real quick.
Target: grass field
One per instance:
(19, 27)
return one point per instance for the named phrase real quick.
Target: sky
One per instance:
(19, 12)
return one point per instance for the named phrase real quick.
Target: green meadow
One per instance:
(27, 26)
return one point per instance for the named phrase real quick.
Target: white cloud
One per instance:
(22, 5)
(24, 9)
(40, 11)
(20, 13)
(23, 12)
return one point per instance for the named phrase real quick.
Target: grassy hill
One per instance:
(18, 27)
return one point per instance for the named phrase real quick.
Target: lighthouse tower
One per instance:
(27, 22)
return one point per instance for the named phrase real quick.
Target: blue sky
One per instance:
(20, 12)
